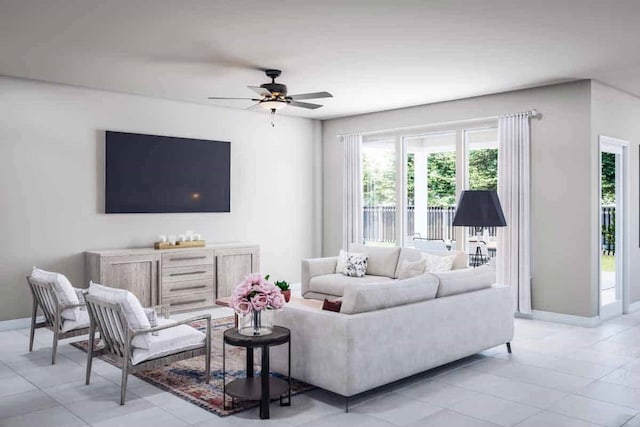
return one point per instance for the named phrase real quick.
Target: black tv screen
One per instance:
(162, 174)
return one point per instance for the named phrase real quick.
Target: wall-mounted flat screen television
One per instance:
(162, 174)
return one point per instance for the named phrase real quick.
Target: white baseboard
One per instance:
(634, 306)
(569, 319)
(13, 324)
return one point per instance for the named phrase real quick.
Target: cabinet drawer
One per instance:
(186, 287)
(192, 301)
(183, 258)
(178, 274)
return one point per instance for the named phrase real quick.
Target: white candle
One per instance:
(197, 237)
(172, 239)
(162, 238)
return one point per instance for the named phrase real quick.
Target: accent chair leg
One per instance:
(207, 357)
(92, 332)
(55, 348)
(123, 386)
(509, 347)
(33, 325)
(346, 404)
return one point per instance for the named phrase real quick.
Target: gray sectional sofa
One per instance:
(391, 329)
(320, 278)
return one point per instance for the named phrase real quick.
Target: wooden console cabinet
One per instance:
(185, 279)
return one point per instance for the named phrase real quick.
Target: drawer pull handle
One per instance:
(186, 258)
(189, 302)
(188, 273)
(185, 288)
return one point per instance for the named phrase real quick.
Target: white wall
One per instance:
(617, 114)
(561, 182)
(52, 182)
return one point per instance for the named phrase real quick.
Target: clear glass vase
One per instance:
(256, 323)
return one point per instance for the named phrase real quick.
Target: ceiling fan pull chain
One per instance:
(273, 117)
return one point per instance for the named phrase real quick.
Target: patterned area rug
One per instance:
(185, 379)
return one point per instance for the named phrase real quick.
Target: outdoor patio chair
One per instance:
(430, 245)
(46, 298)
(135, 349)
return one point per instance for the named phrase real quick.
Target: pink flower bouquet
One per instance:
(255, 294)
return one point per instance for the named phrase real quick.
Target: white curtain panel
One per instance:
(514, 241)
(352, 191)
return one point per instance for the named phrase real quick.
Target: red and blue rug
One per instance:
(185, 379)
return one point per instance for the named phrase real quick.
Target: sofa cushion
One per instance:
(412, 254)
(81, 322)
(383, 261)
(356, 265)
(332, 305)
(438, 263)
(407, 269)
(363, 298)
(342, 260)
(62, 287)
(334, 284)
(467, 280)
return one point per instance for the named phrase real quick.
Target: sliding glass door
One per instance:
(411, 183)
(430, 190)
(379, 191)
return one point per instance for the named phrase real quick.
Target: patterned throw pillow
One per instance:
(438, 263)
(356, 265)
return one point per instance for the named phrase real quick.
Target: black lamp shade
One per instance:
(479, 208)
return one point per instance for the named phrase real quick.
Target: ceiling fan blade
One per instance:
(307, 105)
(261, 91)
(314, 95)
(253, 107)
(244, 99)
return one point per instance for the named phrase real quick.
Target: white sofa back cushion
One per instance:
(412, 254)
(382, 261)
(363, 298)
(62, 287)
(131, 307)
(467, 280)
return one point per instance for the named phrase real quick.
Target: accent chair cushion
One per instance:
(62, 287)
(363, 298)
(468, 280)
(131, 307)
(81, 322)
(335, 284)
(383, 261)
(168, 341)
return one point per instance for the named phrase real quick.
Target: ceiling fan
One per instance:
(273, 96)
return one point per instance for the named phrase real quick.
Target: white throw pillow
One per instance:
(131, 307)
(342, 260)
(438, 263)
(62, 287)
(409, 269)
(356, 265)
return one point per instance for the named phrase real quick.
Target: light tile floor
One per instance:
(558, 375)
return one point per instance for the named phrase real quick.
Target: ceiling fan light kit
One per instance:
(274, 96)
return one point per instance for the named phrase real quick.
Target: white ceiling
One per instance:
(371, 55)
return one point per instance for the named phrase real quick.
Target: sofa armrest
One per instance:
(316, 267)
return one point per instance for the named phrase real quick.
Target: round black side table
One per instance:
(251, 388)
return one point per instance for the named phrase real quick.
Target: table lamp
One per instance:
(479, 209)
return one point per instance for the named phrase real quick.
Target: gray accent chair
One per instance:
(45, 298)
(117, 337)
